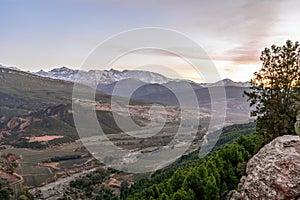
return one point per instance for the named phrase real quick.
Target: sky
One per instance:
(47, 34)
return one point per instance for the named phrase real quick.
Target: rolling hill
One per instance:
(34, 106)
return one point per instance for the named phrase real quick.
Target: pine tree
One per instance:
(177, 180)
(183, 195)
(211, 189)
(275, 90)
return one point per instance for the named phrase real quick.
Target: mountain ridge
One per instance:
(112, 75)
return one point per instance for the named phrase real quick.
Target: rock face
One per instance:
(273, 173)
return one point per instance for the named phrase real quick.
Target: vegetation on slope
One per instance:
(24, 91)
(93, 186)
(275, 95)
(222, 170)
(212, 178)
(52, 121)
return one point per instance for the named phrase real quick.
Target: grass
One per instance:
(33, 174)
(21, 91)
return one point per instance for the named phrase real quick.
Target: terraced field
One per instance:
(29, 168)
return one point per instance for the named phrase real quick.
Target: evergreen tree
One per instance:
(275, 90)
(183, 195)
(176, 181)
(211, 189)
(164, 197)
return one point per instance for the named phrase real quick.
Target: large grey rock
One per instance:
(274, 172)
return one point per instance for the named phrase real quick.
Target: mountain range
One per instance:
(36, 112)
(151, 87)
(106, 77)
(103, 76)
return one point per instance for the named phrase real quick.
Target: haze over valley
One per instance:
(36, 113)
(139, 100)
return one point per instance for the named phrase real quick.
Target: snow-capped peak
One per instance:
(104, 76)
(110, 76)
(228, 82)
(9, 67)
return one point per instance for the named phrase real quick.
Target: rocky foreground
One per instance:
(273, 173)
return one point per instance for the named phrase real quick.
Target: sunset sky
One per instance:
(46, 34)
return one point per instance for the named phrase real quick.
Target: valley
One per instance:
(149, 100)
(41, 132)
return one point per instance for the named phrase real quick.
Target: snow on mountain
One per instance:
(227, 82)
(106, 77)
(10, 67)
(62, 73)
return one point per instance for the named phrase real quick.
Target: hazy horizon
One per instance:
(48, 34)
(154, 71)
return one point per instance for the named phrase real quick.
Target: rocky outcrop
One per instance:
(273, 173)
(13, 123)
(18, 123)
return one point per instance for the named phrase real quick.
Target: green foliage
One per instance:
(62, 124)
(124, 191)
(91, 186)
(4, 191)
(26, 195)
(297, 125)
(183, 195)
(211, 178)
(61, 158)
(24, 91)
(89, 180)
(228, 135)
(275, 90)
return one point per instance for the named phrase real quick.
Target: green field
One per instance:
(33, 174)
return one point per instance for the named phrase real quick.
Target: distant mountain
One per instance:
(25, 97)
(107, 77)
(10, 67)
(153, 92)
(103, 76)
(227, 82)
(22, 92)
(165, 93)
(35, 106)
(154, 87)
(237, 105)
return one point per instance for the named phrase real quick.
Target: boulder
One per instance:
(273, 173)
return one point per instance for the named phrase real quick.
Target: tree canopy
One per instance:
(212, 178)
(275, 90)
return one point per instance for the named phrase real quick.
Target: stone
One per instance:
(273, 173)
